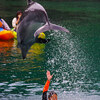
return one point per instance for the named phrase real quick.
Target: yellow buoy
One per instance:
(41, 35)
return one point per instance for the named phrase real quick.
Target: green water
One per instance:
(73, 59)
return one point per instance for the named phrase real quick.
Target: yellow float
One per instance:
(6, 35)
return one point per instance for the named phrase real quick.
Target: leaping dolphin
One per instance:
(33, 21)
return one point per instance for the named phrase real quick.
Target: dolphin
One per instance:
(34, 20)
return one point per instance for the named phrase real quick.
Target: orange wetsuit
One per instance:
(45, 89)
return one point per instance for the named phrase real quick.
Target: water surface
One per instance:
(73, 59)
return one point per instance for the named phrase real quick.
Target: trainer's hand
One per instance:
(49, 76)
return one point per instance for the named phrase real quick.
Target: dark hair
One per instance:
(18, 12)
(51, 93)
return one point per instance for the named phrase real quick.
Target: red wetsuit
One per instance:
(45, 89)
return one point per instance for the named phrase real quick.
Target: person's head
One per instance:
(19, 14)
(52, 96)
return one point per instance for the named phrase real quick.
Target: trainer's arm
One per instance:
(46, 87)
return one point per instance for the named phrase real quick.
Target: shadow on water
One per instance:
(20, 77)
(72, 58)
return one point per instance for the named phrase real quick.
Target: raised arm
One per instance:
(46, 87)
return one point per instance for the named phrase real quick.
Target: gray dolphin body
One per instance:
(33, 21)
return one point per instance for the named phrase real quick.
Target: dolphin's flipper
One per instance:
(57, 27)
(48, 27)
(42, 29)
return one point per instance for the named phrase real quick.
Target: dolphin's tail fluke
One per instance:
(48, 27)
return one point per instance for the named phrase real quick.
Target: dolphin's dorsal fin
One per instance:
(29, 2)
